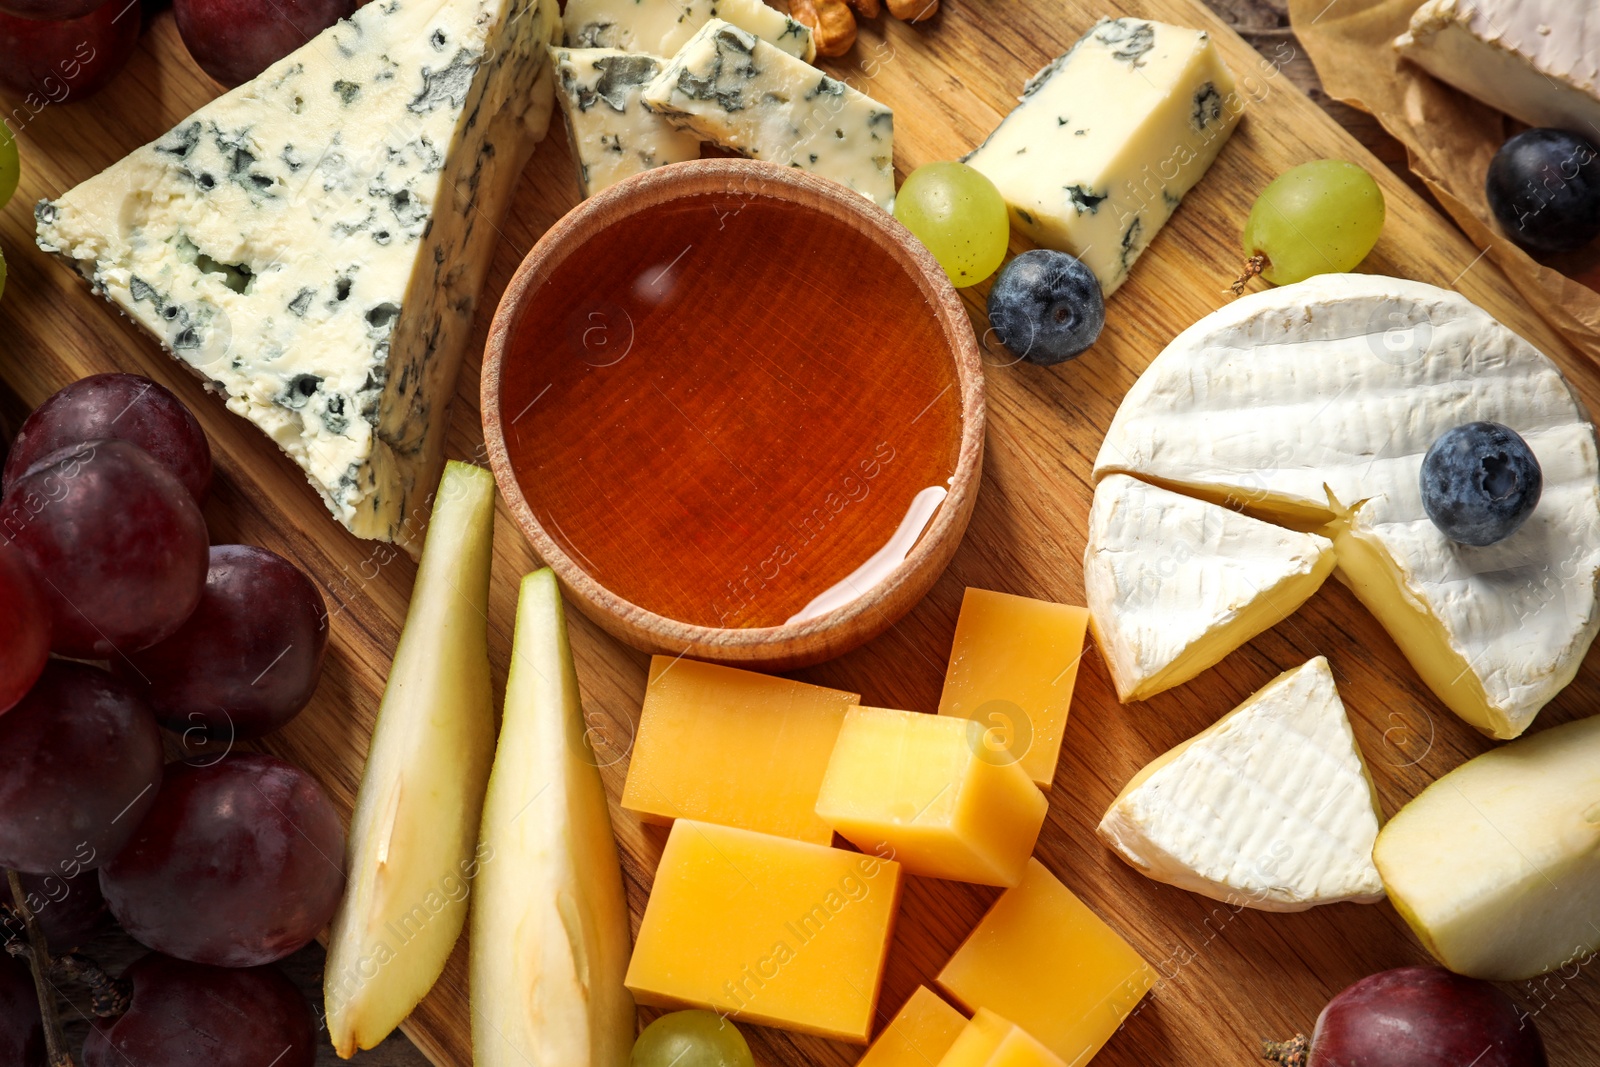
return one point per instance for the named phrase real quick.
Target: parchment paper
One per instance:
(1450, 138)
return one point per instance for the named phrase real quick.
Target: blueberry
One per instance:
(1046, 307)
(1480, 482)
(1544, 187)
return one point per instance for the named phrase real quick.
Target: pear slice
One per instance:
(550, 926)
(412, 838)
(1496, 865)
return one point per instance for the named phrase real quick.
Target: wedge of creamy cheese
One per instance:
(1109, 137)
(313, 242)
(1271, 808)
(661, 27)
(614, 136)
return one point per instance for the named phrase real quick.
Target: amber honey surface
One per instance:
(724, 407)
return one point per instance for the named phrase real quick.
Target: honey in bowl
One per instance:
(690, 415)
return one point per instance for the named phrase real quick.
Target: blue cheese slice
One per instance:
(1109, 137)
(614, 136)
(737, 91)
(661, 27)
(313, 242)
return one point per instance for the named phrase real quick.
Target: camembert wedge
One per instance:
(1312, 405)
(1174, 584)
(1271, 808)
(313, 242)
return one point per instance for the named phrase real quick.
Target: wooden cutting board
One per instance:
(1229, 978)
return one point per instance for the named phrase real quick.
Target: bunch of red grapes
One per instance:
(118, 618)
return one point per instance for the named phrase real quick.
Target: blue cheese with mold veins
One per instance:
(313, 242)
(661, 27)
(1108, 138)
(614, 136)
(737, 91)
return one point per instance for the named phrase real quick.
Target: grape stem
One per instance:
(1290, 1053)
(108, 997)
(1252, 267)
(38, 953)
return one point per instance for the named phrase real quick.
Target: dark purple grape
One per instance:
(249, 657)
(69, 911)
(189, 1015)
(117, 543)
(80, 763)
(24, 627)
(21, 1032)
(1544, 188)
(240, 863)
(121, 406)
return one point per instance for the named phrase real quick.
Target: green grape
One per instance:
(958, 214)
(691, 1039)
(1319, 218)
(10, 166)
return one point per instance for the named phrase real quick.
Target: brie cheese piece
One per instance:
(614, 136)
(1174, 584)
(313, 242)
(734, 89)
(1271, 808)
(1109, 137)
(1536, 60)
(662, 27)
(1313, 404)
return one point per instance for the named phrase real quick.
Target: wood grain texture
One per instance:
(1229, 979)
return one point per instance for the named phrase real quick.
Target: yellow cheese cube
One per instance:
(918, 1035)
(990, 1041)
(924, 790)
(767, 930)
(1043, 960)
(733, 747)
(1012, 668)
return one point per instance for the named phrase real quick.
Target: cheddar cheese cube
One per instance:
(733, 747)
(1012, 668)
(767, 930)
(918, 1035)
(1041, 959)
(924, 790)
(990, 1041)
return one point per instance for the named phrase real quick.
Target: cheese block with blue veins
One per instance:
(1108, 138)
(313, 242)
(613, 135)
(661, 27)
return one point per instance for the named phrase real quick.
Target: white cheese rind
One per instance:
(736, 90)
(1314, 404)
(1109, 137)
(1174, 584)
(1536, 60)
(661, 27)
(1270, 808)
(614, 136)
(313, 242)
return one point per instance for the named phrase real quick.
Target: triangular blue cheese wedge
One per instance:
(734, 89)
(314, 241)
(1109, 137)
(662, 27)
(614, 136)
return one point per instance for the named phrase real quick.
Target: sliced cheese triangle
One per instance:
(1313, 404)
(1271, 808)
(1174, 584)
(314, 241)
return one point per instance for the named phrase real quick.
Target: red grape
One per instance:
(80, 763)
(189, 1015)
(249, 657)
(49, 10)
(1424, 1017)
(24, 627)
(62, 61)
(70, 911)
(234, 40)
(21, 1032)
(122, 406)
(240, 863)
(117, 542)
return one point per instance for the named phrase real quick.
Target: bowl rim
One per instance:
(788, 643)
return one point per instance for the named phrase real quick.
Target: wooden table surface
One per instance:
(1265, 24)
